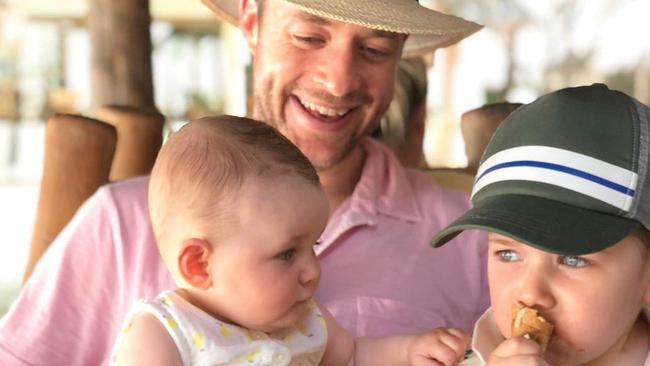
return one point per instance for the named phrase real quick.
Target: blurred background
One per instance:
(200, 66)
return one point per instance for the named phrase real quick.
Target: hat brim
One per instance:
(542, 223)
(427, 29)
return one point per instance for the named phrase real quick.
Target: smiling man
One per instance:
(324, 72)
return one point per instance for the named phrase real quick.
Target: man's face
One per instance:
(324, 84)
(592, 300)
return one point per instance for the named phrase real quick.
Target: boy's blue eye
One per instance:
(573, 261)
(287, 254)
(507, 255)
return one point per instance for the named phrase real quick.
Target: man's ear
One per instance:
(248, 22)
(193, 263)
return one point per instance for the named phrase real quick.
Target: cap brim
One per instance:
(427, 29)
(542, 223)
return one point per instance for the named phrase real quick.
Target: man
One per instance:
(323, 75)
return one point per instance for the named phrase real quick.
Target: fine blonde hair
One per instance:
(200, 168)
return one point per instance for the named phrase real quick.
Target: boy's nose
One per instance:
(534, 290)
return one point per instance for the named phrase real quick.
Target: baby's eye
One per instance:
(287, 254)
(573, 261)
(508, 255)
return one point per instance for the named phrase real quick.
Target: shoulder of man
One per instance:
(88, 265)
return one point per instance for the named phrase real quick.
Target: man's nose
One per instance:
(534, 289)
(338, 70)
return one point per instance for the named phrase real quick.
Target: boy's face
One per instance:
(593, 300)
(264, 270)
(324, 84)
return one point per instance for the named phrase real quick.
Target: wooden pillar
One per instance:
(139, 137)
(78, 155)
(120, 53)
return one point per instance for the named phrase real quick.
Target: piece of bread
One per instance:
(526, 323)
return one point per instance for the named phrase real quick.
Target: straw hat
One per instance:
(427, 29)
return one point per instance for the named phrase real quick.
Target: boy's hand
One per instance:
(439, 347)
(517, 351)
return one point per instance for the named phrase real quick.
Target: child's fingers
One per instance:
(517, 351)
(455, 339)
(525, 360)
(517, 346)
(422, 361)
(440, 347)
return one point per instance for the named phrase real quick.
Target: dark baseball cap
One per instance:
(567, 173)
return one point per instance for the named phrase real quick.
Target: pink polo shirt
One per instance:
(379, 273)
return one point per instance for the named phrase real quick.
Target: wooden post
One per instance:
(139, 137)
(120, 53)
(78, 155)
(478, 126)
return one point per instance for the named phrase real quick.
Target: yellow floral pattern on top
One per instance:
(204, 340)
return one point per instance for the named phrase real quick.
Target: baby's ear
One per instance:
(193, 263)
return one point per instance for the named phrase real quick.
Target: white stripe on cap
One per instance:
(580, 173)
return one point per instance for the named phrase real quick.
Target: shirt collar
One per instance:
(384, 186)
(486, 336)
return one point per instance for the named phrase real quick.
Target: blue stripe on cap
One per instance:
(568, 169)
(561, 168)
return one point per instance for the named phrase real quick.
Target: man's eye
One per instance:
(375, 53)
(308, 40)
(507, 255)
(287, 254)
(573, 261)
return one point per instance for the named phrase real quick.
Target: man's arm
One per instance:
(74, 302)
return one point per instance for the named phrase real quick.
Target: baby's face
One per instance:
(593, 300)
(264, 268)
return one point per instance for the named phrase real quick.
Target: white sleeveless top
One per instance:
(204, 340)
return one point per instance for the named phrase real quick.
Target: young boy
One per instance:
(236, 210)
(563, 191)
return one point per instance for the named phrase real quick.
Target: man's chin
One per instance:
(325, 160)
